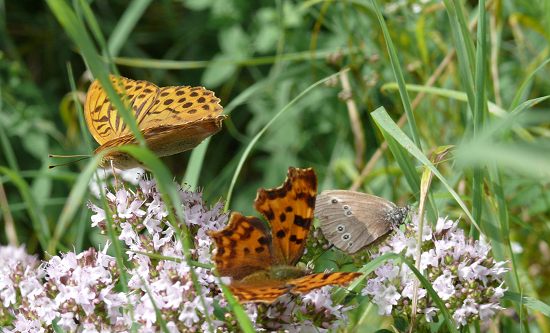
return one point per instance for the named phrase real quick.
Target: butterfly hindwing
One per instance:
(243, 247)
(266, 292)
(352, 220)
(289, 210)
(103, 119)
(313, 281)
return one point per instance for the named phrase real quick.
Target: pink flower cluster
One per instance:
(82, 292)
(461, 271)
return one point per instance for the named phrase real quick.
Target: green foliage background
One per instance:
(260, 55)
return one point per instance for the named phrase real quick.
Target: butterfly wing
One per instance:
(172, 119)
(313, 281)
(352, 220)
(243, 247)
(289, 210)
(265, 292)
(180, 105)
(103, 120)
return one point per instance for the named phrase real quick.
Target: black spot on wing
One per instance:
(302, 222)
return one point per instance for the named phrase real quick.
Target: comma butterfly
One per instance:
(171, 119)
(262, 263)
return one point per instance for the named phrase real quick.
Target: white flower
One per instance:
(320, 298)
(430, 312)
(374, 286)
(388, 271)
(460, 317)
(128, 235)
(24, 325)
(444, 285)
(188, 314)
(7, 291)
(498, 293)
(408, 291)
(67, 322)
(486, 311)
(99, 215)
(498, 269)
(460, 270)
(386, 299)
(127, 210)
(443, 224)
(429, 259)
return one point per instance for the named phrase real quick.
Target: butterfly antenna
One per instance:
(114, 173)
(51, 166)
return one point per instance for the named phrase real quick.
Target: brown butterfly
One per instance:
(262, 263)
(171, 119)
(353, 220)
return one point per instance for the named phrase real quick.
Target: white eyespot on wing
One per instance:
(364, 216)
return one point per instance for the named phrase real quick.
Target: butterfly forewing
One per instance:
(352, 220)
(289, 210)
(243, 247)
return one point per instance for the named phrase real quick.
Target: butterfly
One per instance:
(171, 119)
(262, 261)
(353, 220)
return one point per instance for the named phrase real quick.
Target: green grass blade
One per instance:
(521, 92)
(257, 61)
(463, 51)
(74, 201)
(378, 261)
(194, 167)
(480, 103)
(398, 73)
(7, 149)
(384, 121)
(460, 96)
(77, 31)
(39, 222)
(530, 302)
(196, 160)
(257, 137)
(126, 24)
(170, 195)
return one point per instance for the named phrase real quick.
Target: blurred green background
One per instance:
(258, 56)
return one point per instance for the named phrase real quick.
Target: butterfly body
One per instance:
(353, 220)
(275, 273)
(262, 261)
(171, 119)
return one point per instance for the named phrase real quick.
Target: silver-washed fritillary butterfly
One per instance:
(171, 119)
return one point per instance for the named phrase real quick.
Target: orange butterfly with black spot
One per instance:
(171, 119)
(262, 263)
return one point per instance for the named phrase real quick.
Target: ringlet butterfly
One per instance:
(353, 220)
